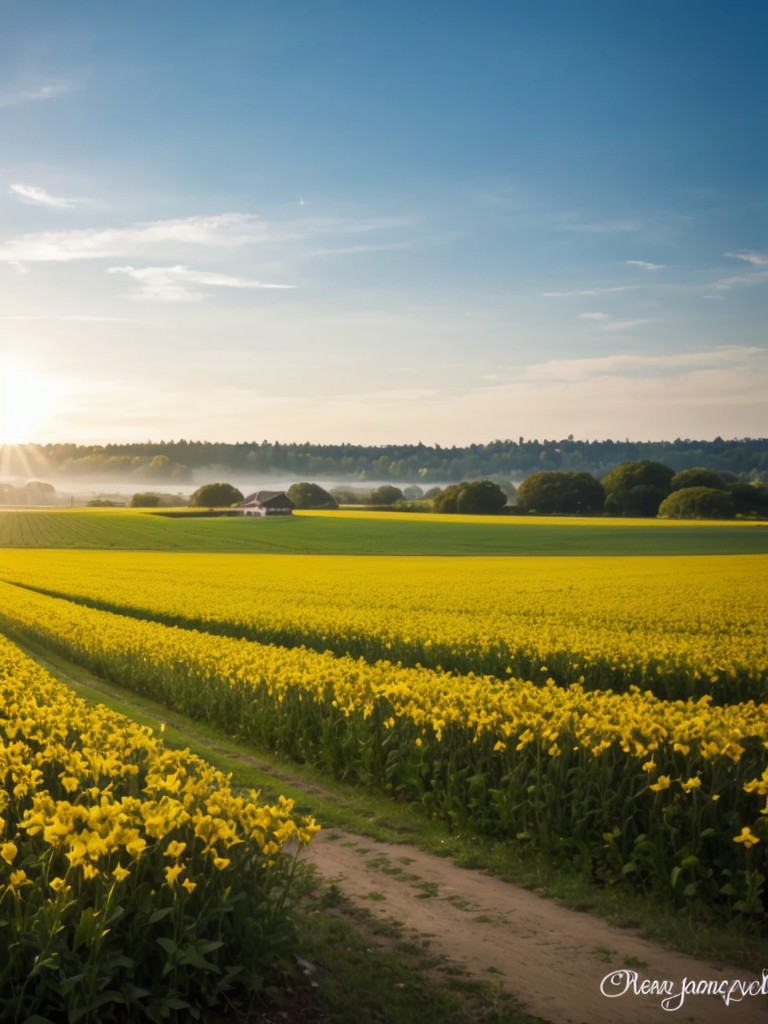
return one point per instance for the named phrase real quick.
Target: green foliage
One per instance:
(215, 496)
(698, 477)
(698, 503)
(474, 497)
(749, 499)
(306, 495)
(637, 488)
(418, 463)
(145, 499)
(385, 495)
(552, 491)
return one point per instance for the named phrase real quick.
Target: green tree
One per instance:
(413, 492)
(637, 488)
(306, 495)
(446, 500)
(385, 495)
(698, 477)
(698, 503)
(552, 491)
(144, 499)
(749, 499)
(215, 495)
(472, 497)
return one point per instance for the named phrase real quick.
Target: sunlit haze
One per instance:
(383, 222)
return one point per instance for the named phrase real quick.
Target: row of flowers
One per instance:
(671, 795)
(680, 626)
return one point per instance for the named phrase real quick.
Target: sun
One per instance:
(27, 401)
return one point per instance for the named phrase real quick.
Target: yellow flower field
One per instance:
(111, 842)
(682, 626)
(607, 709)
(671, 793)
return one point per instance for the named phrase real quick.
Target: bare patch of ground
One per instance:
(551, 958)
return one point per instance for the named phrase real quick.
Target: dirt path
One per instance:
(551, 958)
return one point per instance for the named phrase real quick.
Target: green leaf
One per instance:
(160, 914)
(210, 945)
(69, 983)
(194, 958)
(168, 945)
(87, 928)
(174, 1003)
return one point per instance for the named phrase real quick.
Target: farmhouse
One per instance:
(267, 503)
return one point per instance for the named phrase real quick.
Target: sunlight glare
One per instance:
(27, 400)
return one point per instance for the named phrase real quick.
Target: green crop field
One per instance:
(375, 533)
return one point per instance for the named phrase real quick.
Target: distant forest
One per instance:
(502, 461)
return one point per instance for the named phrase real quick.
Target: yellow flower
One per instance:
(189, 885)
(747, 837)
(59, 885)
(121, 873)
(221, 862)
(693, 783)
(8, 852)
(306, 831)
(663, 782)
(175, 849)
(17, 878)
(77, 853)
(172, 872)
(135, 847)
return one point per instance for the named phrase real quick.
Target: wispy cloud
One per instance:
(591, 292)
(609, 323)
(38, 196)
(354, 250)
(644, 265)
(224, 229)
(163, 236)
(758, 259)
(741, 281)
(13, 97)
(177, 284)
(623, 325)
(643, 365)
(747, 280)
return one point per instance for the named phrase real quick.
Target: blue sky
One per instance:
(383, 222)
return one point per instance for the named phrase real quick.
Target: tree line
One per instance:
(644, 488)
(641, 488)
(499, 460)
